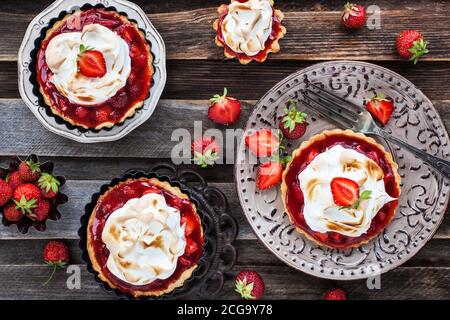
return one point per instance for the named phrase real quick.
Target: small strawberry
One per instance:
(345, 191)
(12, 212)
(191, 246)
(354, 16)
(40, 212)
(55, 254)
(6, 192)
(335, 294)
(249, 285)
(189, 224)
(224, 110)
(263, 143)
(293, 124)
(380, 107)
(411, 45)
(28, 191)
(14, 179)
(29, 171)
(49, 185)
(91, 63)
(205, 151)
(270, 173)
(25, 206)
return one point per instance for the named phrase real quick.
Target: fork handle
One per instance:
(439, 164)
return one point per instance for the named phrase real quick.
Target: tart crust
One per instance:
(313, 140)
(91, 250)
(244, 59)
(107, 124)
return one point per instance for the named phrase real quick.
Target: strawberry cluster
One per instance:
(28, 193)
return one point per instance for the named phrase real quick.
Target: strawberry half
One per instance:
(293, 124)
(91, 63)
(354, 16)
(224, 110)
(263, 142)
(205, 151)
(345, 191)
(269, 174)
(411, 45)
(380, 107)
(249, 285)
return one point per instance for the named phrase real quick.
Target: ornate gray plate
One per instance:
(425, 194)
(33, 100)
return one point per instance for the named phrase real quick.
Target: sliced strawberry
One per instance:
(224, 110)
(263, 142)
(269, 174)
(380, 108)
(91, 63)
(345, 191)
(191, 246)
(189, 223)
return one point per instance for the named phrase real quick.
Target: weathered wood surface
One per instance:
(151, 140)
(312, 35)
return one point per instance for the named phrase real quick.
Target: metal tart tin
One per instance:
(29, 88)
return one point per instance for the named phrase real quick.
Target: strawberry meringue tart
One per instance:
(94, 68)
(340, 189)
(144, 237)
(249, 29)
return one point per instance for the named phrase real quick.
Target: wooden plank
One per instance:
(250, 252)
(80, 192)
(312, 35)
(282, 282)
(26, 135)
(200, 79)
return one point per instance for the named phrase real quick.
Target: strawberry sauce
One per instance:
(260, 56)
(115, 199)
(295, 201)
(115, 108)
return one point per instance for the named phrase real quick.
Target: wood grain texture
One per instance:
(200, 79)
(311, 35)
(282, 282)
(80, 192)
(26, 135)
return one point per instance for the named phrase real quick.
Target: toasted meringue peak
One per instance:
(145, 240)
(320, 212)
(61, 56)
(248, 25)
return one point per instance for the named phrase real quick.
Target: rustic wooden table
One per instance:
(196, 70)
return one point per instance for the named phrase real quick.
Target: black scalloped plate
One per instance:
(219, 228)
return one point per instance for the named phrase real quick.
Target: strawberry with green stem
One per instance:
(205, 151)
(49, 185)
(56, 255)
(411, 45)
(293, 124)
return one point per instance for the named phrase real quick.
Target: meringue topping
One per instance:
(61, 56)
(320, 212)
(248, 25)
(145, 240)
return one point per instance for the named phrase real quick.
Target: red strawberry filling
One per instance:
(295, 201)
(114, 200)
(115, 108)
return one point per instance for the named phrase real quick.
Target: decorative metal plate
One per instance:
(33, 99)
(425, 194)
(220, 230)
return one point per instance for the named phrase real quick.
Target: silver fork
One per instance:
(348, 115)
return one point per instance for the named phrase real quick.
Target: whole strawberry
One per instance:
(354, 16)
(29, 171)
(12, 212)
(41, 211)
(6, 192)
(249, 285)
(411, 45)
(335, 294)
(49, 185)
(293, 124)
(14, 180)
(205, 151)
(224, 110)
(28, 191)
(55, 254)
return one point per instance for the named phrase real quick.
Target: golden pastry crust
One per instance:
(313, 140)
(106, 124)
(275, 45)
(91, 251)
